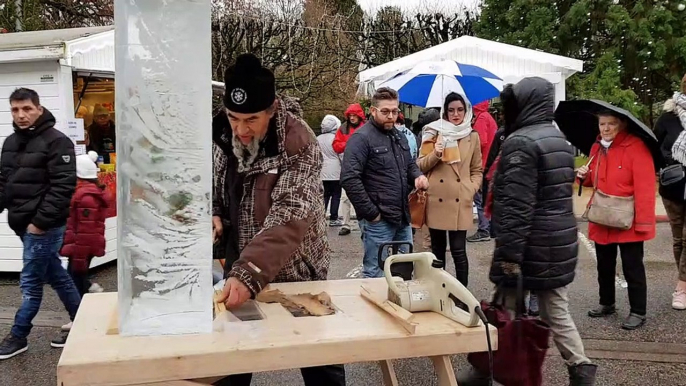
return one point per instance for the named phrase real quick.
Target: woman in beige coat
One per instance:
(450, 157)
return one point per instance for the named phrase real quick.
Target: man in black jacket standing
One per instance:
(377, 168)
(37, 180)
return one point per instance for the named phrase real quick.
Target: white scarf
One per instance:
(450, 134)
(679, 147)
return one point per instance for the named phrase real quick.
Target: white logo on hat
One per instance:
(238, 96)
(66, 158)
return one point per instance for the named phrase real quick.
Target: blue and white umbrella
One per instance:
(428, 83)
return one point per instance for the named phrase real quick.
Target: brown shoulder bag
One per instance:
(608, 210)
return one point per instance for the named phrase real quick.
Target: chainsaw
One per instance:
(430, 289)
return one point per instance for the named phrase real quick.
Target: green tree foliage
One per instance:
(634, 52)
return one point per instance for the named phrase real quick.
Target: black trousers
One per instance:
(634, 273)
(332, 191)
(458, 248)
(81, 281)
(333, 375)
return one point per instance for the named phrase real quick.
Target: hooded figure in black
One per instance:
(536, 231)
(533, 208)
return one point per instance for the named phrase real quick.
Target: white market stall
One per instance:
(509, 62)
(54, 63)
(73, 71)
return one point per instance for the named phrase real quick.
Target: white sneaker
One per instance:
(95, 288)
(67, 327)
(679, 300)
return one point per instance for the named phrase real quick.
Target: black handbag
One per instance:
(672, 174)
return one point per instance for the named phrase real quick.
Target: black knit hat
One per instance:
(250, 88)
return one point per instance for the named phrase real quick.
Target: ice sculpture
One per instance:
(164, 112)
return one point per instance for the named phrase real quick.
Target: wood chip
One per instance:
(300, 304)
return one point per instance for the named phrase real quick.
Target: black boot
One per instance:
(633, 321)
(582, 375)
(472, 377)
(602, 311)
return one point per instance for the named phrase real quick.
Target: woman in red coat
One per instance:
(622, 166)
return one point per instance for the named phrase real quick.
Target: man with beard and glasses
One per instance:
(267, 197)
(377, 172)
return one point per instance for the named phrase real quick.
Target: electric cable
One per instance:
(482, 316)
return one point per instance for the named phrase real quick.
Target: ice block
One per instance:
(163, 106)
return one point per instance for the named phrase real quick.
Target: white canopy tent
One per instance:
(510, 62)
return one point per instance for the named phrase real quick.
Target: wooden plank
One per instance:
(444, 370)
(401, 315)
(188, 382)
(174, 383)
(359, 332)
(43, 319)
(388, 374)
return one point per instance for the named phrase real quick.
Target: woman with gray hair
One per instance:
(331, 168)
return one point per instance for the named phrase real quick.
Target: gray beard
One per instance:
(246, 154)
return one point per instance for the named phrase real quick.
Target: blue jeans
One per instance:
(42, 266)
(484, 224)
(373, 235)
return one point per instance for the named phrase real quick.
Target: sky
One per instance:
(411, 5)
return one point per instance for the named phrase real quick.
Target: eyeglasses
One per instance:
(386, 112)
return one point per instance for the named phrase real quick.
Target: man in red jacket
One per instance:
(354, 120)
(485, 125)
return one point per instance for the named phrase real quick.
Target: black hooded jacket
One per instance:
(37, 176)
(533, 208)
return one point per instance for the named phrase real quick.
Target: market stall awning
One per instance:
(504, 60)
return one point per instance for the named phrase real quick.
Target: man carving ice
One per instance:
(267, 166)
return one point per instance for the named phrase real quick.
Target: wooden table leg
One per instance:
(389, 378)
(444, 370)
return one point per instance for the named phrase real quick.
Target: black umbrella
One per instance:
(578, 120)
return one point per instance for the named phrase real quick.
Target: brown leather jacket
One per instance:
(281, 235)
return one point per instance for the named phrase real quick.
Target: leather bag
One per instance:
(417, 203)
(672, 174)
(608, 210)
(522, 343)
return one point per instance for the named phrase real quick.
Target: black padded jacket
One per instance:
(376, 174)
(37, 176)
(533, 208)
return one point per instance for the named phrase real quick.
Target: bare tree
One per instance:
(56, 14)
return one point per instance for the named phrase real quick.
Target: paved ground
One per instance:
(37, 366)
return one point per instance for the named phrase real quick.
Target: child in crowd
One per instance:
(85, 234)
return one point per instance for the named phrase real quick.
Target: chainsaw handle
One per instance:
(395, 245)
(402, 258)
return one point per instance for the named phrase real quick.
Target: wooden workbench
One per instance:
(358, 332)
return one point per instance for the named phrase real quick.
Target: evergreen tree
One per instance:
(634, 52)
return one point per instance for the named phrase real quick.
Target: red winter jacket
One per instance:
(345, 132)
(85, 235)
(626, 169)
(485, 125)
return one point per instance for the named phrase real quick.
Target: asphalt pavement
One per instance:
(665, 326)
